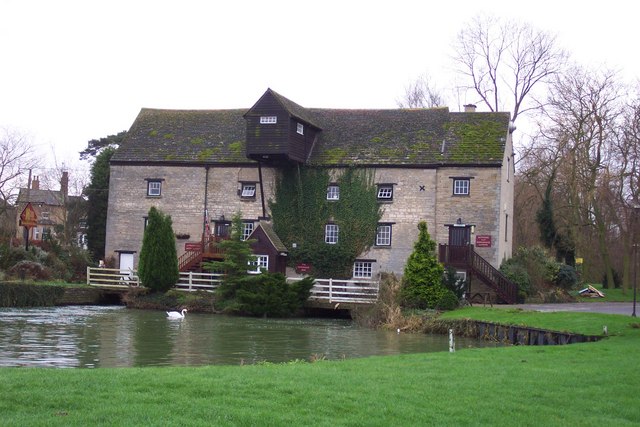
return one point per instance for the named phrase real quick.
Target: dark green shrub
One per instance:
(517, 273)
(448, 301)
(269, 294)
(27, 295)
(566, 278)
(454, 283)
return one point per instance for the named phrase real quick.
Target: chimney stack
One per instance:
(470, 108)
(64, 184)
(35, 184)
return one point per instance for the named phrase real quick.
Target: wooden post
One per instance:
(452, 345)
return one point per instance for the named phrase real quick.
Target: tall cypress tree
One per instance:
(158, 264)
(98, 200)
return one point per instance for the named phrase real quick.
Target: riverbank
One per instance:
(589, 384)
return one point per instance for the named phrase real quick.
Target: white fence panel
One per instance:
(335, 290)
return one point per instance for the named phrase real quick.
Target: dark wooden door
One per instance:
(460, 235)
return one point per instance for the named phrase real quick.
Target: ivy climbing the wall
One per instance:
(301, 211)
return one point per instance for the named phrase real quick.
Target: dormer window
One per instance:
(300, 128)
(268, 120)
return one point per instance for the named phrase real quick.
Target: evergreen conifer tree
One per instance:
(158, 264)
(423, 274)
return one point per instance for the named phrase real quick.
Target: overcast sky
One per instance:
(72, 71)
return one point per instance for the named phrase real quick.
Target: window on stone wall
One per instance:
(385, 192)
(248, 190)
(154, 187)
(363, 270)
(383, 235)
(461, 186)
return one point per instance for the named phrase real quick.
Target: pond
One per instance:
(114, 336)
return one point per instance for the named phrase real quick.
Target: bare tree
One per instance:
(421, 94)
(16, 158)
(505, 61)
(584, 109)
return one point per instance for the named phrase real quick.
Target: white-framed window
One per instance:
(331, 233)
(333, 192)
(268, 120)
(247, 229)
(385, 192)
(154, 188)
(383, 235)
(248, 190)
(300, 128)
(261, 263)
(44, 215)
(36, 233)
(362, 270)
(461, 186)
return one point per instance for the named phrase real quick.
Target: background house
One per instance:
(452, 170)
(58, 214)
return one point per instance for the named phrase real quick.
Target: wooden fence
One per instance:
(327, 290)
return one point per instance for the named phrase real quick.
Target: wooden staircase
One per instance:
(208, 250)
(465, 257)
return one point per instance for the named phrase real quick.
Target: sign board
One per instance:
(193, 246)
(303, 268)
(28, 217)
(483, 241)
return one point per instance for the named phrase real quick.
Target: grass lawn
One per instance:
(591, 384)
(610, 295)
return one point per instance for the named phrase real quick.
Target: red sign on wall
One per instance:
(303, 268)
(193, 246)
(483, 241)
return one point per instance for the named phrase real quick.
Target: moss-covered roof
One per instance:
(403, 137)
(185, 136)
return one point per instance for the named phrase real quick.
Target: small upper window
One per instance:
(300, 129)
(385, 192)
(154, 188)
(461, 186)
(333, 192)
(268, 120)
(248, 190)
(44, 215)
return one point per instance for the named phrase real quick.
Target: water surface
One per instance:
(99, 336)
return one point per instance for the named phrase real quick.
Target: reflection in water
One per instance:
(96, 336)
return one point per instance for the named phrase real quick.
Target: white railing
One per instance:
(327, 290)
(112, 277)
(335, 290)
(190, 281)
(116, 278)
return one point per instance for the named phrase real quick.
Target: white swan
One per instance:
(175, 314)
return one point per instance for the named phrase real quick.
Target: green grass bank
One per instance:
(592, 384)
